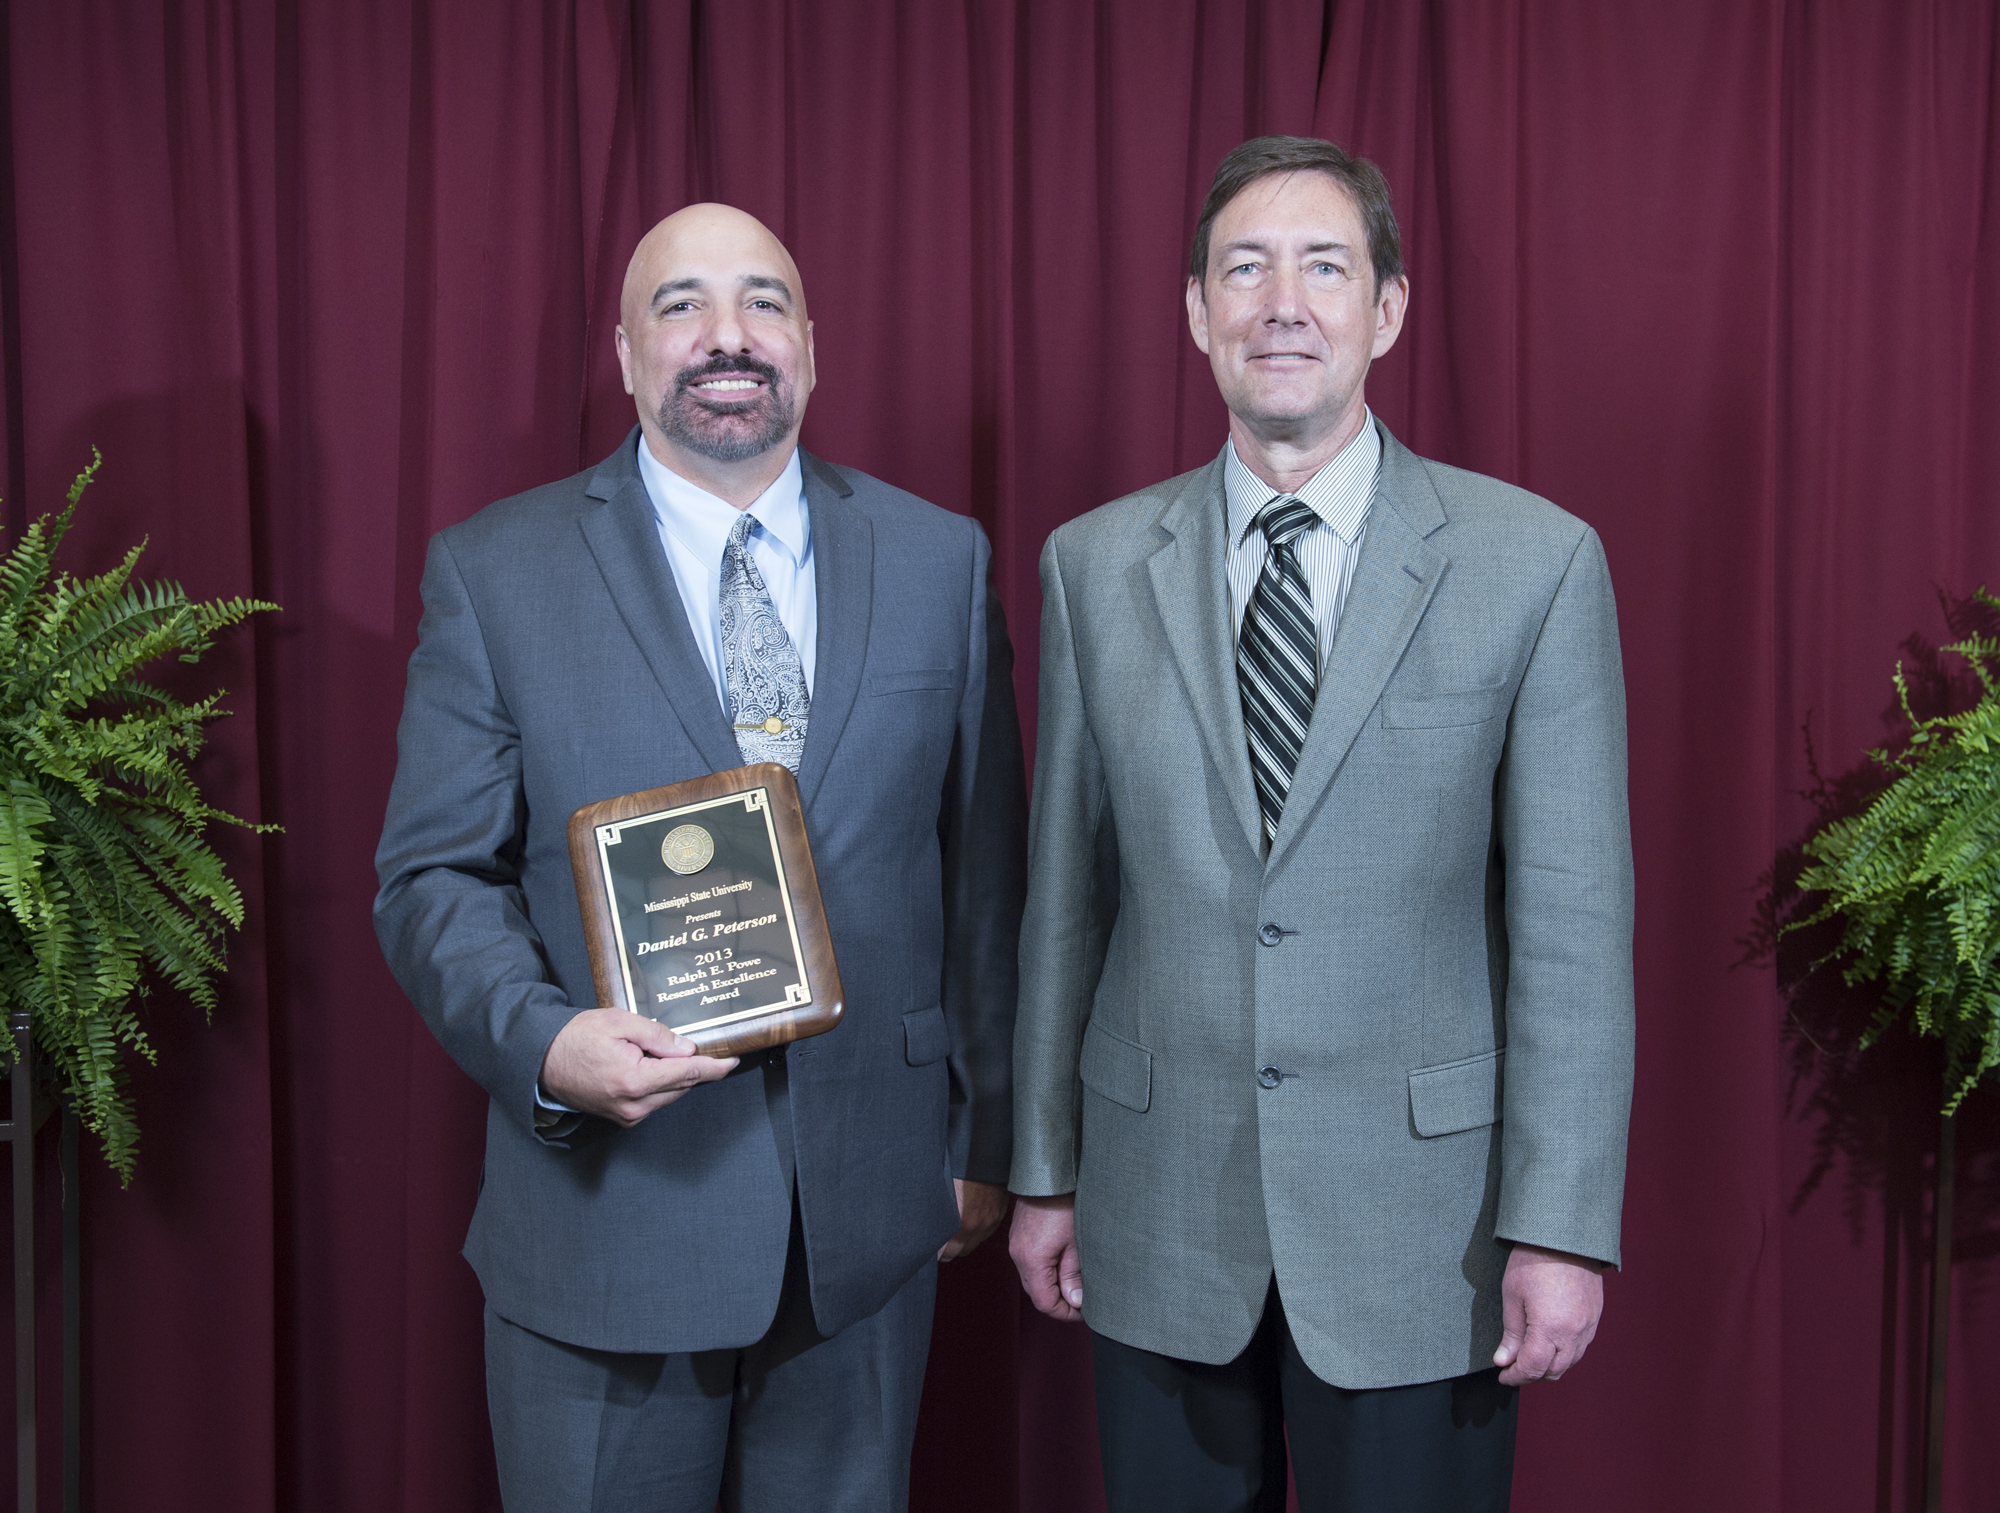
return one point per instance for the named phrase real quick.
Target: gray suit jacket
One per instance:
(555, 667)
(1437, 950)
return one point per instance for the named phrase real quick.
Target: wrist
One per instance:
(1569, 1258)
(1047, 1201)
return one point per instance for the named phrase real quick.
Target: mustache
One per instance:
(724, 366)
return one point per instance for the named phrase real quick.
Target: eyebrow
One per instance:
(748, 281)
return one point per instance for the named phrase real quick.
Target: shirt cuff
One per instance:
(548, 1112)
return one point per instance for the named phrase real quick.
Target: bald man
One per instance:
(713, 1278)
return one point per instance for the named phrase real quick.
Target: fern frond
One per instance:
(1914, 879)
(106, 879)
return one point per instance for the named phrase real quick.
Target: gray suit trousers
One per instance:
(796, 1422)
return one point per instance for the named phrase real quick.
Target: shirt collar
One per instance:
(1339, 493)
(701, 522)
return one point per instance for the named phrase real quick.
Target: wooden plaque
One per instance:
(702, 910)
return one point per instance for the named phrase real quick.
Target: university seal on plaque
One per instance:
(687, 849)
(701, 910)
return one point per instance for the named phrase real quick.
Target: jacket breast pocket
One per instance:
(1457, 1095)
(1470, 706)
(1117, 1069)
(926, 1036)
(912, 680)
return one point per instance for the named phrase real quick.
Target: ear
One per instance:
(1389, 314)
(1197, 304)
(624, 357)
(811, 374)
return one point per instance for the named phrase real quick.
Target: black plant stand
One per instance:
(1941, 1225)
(26, 1113)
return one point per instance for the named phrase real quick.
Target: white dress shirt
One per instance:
(694, 528)
(1339, 493)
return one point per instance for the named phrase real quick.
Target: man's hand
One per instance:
(1549, 1306)
(622, 1066)
(1043, 1245)
(981, 1207)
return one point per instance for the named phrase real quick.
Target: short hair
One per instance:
(1261, 157)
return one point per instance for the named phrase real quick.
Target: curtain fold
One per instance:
(320, 280)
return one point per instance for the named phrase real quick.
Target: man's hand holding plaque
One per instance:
(622, 1066)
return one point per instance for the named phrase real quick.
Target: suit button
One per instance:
(1269, 1076)
(1269, 934)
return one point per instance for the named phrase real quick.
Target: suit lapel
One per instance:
(1394, 581)
(1191, 590)
(623, 535)
(843, 545)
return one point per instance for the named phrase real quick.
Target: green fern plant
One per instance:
(1914, 879)
(106, 884)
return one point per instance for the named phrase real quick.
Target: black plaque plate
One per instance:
(702, 910)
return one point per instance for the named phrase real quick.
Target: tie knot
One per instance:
(739, 533)
(1285, 519)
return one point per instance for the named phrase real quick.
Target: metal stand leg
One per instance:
(21, 1134)
(72, 1279)
(1940, 1314)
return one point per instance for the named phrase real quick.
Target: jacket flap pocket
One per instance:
(1117, 1069)
(926, 1037)
(911, 680)
(1457, 1095)
(1470, 706)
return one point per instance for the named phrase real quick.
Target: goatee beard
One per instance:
(725, 430)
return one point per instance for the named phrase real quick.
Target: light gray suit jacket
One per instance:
(1434, 962)
(555, 667)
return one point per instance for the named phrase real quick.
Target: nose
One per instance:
(725, 331)
(1285, 304)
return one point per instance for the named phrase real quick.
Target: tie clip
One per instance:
(772, 726)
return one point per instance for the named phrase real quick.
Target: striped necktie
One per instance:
(767, 682)
(1277, 659)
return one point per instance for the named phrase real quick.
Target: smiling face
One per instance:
(714, 343)
(1288, 313)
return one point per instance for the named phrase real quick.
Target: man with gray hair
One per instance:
(1324, 1054)
(712, 1277)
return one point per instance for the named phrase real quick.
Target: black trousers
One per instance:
(1184, 1437)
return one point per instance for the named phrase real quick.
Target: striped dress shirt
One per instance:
(1339, 493)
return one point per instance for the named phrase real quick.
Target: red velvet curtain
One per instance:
(1723, 278)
